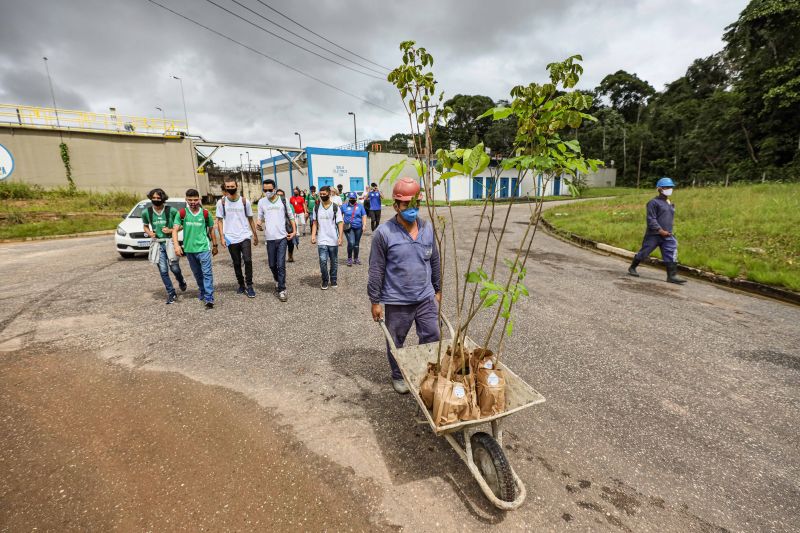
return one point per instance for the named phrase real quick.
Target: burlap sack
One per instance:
(450, 402)
(426, 386)
(457, 361)
(491, 387)
(473, 412)
(482, 358)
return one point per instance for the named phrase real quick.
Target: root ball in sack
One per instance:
(427, 385)
(468, 381)
(448, 359)
(450, 402)
(491, 385)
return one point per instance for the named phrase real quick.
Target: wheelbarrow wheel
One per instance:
(493, 465)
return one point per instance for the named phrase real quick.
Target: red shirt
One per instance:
(299, 204)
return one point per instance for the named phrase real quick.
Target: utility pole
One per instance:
(164, 117)
(300, 139)
(183, 97)
(52, 94)
(355, 137)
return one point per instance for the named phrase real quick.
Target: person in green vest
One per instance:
(311, 201)
(198, 227)
(158, 220)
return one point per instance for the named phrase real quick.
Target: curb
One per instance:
(761, 289)
(53, 237)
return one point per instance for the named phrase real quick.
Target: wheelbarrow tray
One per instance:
(413, 362)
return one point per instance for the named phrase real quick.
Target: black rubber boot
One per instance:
(672, 274)
(632, 268)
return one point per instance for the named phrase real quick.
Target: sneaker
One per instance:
(324, 286)
(172, 298)
(209, 305)
(182, 286)
(240, 290)
(357, 261)
(349, 262)
(334, 285)
(282, 296)
(251, 293)
(399, 386)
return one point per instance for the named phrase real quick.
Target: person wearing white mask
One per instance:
(660, 218)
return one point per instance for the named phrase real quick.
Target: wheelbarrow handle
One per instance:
(388, 335)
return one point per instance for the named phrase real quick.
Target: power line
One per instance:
(284, 28)
(262, 28)
(320, 36)
(290, 67)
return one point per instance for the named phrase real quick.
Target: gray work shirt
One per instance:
(403, 271)
(660, 215)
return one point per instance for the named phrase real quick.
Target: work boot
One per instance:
(632, 268)
(400, 386)
(291, 257)
(672, 274)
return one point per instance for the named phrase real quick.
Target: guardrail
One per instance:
(69, 119)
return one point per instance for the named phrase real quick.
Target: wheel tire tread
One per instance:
(505, 476)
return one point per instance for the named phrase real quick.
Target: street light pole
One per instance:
(183, 97)
(164, 117)
(300, 139)
(355, 138)
(52, 93)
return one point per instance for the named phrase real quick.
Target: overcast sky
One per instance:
(122, 53)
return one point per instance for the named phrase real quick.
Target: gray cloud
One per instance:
(122, 53)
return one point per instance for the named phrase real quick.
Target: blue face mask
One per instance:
(410, 214)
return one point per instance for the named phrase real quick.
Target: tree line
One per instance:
(734, 116)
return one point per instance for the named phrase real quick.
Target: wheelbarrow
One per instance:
(482, 450)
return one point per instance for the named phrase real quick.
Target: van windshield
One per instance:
(137, 211)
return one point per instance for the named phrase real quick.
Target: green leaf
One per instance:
(421, 167)
(483, 293)
(523, 289)
(490, 300)
(509, 327)
(451, 174)
(492, 286)
(393, 171)
(473, 277)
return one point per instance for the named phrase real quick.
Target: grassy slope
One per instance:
(744, 231)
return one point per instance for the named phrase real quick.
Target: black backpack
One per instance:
(244, 206)
(316, 215)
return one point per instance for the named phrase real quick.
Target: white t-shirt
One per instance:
(235, 225)
(327, 230)
(335, 198)
(273, 216)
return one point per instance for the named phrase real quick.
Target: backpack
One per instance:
(289, 227)
(244, 205)
(316, 216)
(152, 214)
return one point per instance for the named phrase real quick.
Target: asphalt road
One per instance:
(668, 408)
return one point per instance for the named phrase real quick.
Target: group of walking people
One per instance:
(332, 216)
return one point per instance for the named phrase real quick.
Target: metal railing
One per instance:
(69, 119)
(360, 145)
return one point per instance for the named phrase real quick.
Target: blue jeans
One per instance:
(276, 257)
(398, 321)
(668, 245)
(164, 266)
(353, 236)
(200, 263)
(325, 253)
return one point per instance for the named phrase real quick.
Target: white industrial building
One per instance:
(354, 170)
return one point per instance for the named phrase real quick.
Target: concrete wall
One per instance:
(604, 177)
(379, 163)
(104, 161)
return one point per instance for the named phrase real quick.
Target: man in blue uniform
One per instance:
(660, 216)
(404, 275)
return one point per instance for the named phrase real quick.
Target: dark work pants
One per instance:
(668, 245)
(276, 257)
(374, 218)
(398, 320)
(242, 252)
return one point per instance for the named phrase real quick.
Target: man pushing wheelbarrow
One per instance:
(405, 275)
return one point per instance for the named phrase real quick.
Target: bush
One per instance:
(14, 190)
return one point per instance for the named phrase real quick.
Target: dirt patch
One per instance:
(771, 356)
(88, 445)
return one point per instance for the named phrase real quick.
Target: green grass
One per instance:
(62, 226)
(597, 192)
(747, 231)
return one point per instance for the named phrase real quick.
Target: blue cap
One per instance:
(352, 195)
(665, 182)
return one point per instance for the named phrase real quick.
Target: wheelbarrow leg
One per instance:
(497, 431)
